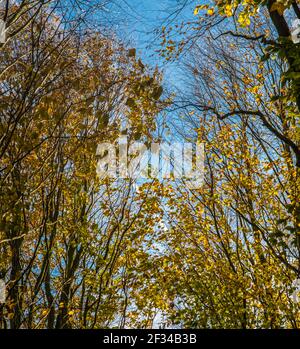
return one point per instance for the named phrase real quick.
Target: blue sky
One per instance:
(140, 17)
(137, 24)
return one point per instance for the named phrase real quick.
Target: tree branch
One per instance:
(296, 8)
(278, 21)
(262, 37)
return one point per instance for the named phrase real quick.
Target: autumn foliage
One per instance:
(79, 251)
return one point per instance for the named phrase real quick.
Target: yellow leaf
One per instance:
(198, 8)
(228, 10)
(211, 11)
(244, 20)
(279, 7)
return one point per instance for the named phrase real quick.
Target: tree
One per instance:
(64, 232)
(233, 246)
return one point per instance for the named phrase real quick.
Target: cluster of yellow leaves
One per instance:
(247, 8)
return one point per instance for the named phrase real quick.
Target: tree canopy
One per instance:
(79, 250)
